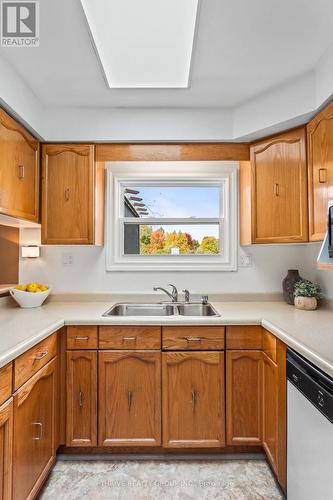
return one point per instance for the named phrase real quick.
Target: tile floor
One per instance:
(161, 480)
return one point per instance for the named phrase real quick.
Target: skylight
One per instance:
(143, 43)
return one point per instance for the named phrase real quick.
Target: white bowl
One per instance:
(29, 299)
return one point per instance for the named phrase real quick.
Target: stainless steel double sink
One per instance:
(173, 309)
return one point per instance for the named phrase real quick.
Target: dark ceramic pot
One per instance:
(288, 285)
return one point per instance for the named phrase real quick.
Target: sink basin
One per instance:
(172, 309)
(141, 310)
(197, 310)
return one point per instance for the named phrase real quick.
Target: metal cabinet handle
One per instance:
(40, 427)
(193, 339)
(81, 398)
(129, 400)
(129, 338)
(322, 175)
(21, 171)
(41, 355)
(194, 399)
(81, 338)
(276, 189)
(67, 194)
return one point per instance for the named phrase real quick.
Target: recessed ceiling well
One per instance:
(143, 43)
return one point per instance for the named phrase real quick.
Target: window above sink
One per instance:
(171, 216)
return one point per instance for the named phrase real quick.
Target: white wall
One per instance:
(87, 274)
(19, 99)
(323, 277)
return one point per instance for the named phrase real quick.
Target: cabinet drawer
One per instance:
(82, 337)
(196, 338)
(6, 382)
(31, 361)
(244, 337)
(130, 337)
(269, 345)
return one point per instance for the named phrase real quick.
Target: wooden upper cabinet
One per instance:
(129, 398)
(72, 195)
(19, 170)
(320, 165)
(273, 191)
(244, 397)
(193, 399)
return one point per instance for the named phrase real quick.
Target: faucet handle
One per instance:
(187, 295)
(174, 292)
(204, 299)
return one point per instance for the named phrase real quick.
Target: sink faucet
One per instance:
(187, 295)
(173, 294)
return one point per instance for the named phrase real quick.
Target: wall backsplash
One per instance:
(87, 272)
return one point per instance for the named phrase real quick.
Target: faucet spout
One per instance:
(172, 295)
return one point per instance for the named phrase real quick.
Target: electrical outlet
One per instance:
(67, 259)
(245, 260)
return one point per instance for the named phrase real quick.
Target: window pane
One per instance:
(170, 202)
(186, 239)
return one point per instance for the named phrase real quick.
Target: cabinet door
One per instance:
(270, 406)
(6, 449)
(320, 163)
(19, 170)
(193, 399)
(129, 398)
(279, 197)
(81, 398)
(244, 397)
(34, 413)
(68, 194)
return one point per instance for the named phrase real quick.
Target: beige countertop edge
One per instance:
(69, 318)
(11, 354)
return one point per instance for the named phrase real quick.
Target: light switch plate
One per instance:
(245, 260)
(67, 259)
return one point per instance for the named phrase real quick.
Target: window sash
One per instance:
(207, 173)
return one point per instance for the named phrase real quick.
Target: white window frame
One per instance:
(175, 173)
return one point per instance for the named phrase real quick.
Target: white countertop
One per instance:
(309, 332)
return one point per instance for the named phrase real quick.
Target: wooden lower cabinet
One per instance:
(34, 423)
(193, 399)
(81, 422)
(6, 449)
(129, 399)
(270, 406)
(274, 412)
(244, 397)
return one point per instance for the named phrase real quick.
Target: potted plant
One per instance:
(306, 295)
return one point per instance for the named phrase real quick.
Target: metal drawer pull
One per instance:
(322, 175)
(129, 400)
(67, 194)
(194, 399)
(81, 398)
(193, 339)
(129, 338)
(81, 338)
(21, 172)
(276, 189)
(41, 355)
(40, 426)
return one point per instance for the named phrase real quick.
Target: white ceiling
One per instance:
(243, 48)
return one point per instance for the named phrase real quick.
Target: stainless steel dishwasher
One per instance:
(310, 431)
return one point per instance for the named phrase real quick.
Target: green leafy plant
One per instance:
(305, 288)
